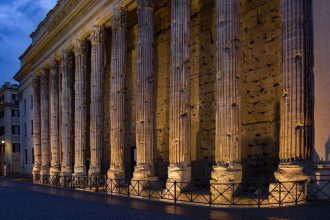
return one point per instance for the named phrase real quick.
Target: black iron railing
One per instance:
(277, 194)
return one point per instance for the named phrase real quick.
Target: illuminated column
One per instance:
(36, 125)
(54, 117)
(96, 111)
(45, 147)
(117, 94)
(228, 167)
(296, 119)
(179, 118)
(80, 110)
(67, 113)
(144, 169)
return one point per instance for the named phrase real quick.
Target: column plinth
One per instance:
(96, 108)
(179, 118)
(117, 94)
(144, 170)
(67, 113)
(80, 110)
(44, 108)
(55, 163)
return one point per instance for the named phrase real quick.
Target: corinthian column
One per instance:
(36, 127)
(45, 150)
(96, 112)
(67, 113)
(80, 110)
(144, 169)
(228, 167)
(179, 118)
(295, 103)
(117, 94)
(54, 117)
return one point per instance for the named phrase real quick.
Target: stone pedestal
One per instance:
(179, 174)
(291, 188)
(225, 179)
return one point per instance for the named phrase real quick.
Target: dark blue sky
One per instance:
(18, 19)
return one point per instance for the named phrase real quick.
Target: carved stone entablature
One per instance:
(67, 59)
(54, 17)
(81, 47)
(97, 34)
(142, 4)
(119, 18)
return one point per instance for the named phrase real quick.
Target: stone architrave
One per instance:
(80, 110)
(296, 119)
(44, 119)
(36, 128)
(179, 116)
(228, 169)
(144, 169)
(55, 163)
(96, 108)
(67, 113)
(117, 94)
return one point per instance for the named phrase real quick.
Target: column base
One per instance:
(36, 175)
(116, 178)
(181, 175)
(143, 177)
(55, 170)
(225, 179)
(94, 171)
(291, 186)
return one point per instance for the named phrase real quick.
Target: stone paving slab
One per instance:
(27, 201)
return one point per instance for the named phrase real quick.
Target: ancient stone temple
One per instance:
(220, 91)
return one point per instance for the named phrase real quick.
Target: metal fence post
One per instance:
(175, 192)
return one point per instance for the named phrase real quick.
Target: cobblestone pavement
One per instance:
(27, 201)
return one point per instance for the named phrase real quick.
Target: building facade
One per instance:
(226, 91)
(9, 129)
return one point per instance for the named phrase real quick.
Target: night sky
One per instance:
(18, 19)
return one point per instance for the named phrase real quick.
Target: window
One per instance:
(32, 149)
(16, 148)
(15, 130)
(24, 105)
(31, 99)
(26, 156)
(31, 127)
(15, 113)
(25, 133)
(3, 148)
(15, 97)
(2, 130)
(2, 114)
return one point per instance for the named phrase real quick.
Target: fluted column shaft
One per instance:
(117, 94)
(295, 102)
(36, 125)
(44, 108)
(96, 108)
(179, 117)
(145, 90)
(227, 133)
(67, 113)
(54, 119)
(80, 110)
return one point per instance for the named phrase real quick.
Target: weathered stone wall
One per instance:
(261, 75)
(260, 88)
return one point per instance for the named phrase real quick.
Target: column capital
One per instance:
(43, 73)
(53, 64)
(144, 4)
(35, 81)
(67, 59)
(118, 19)
(98, 34)
(80, 47)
